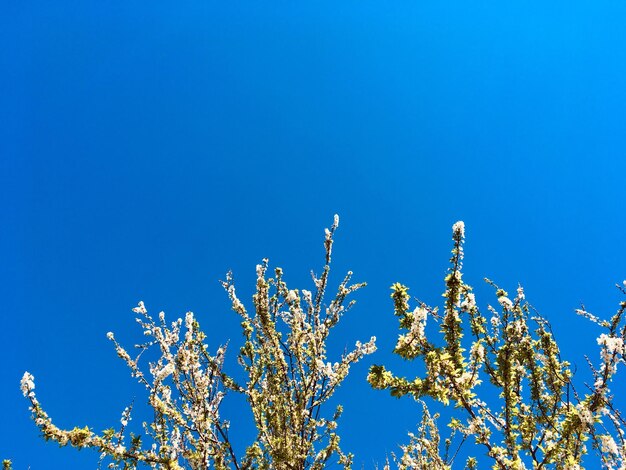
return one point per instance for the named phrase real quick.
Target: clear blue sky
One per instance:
(148, 147)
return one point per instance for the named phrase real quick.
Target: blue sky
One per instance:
(146, 148)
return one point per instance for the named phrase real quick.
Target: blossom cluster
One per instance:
(542, 419)
(290, 379)
(184, 389)
(289, 375)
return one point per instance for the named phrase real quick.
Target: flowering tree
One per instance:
(288, 382)
(542, 420)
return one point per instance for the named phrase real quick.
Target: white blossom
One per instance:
(291, 296)
(585, 414)
(120, 449)
(459, 228)
(189, 320)
(613, 344)
(477, 351)
(166, 371)
(469, 302)
(27, 383)
(505, 302)
(495, 319)
(140, 308)
(608, 445)
(125, 417)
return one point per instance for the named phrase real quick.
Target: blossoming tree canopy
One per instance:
(542, 419)
(289, 381)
